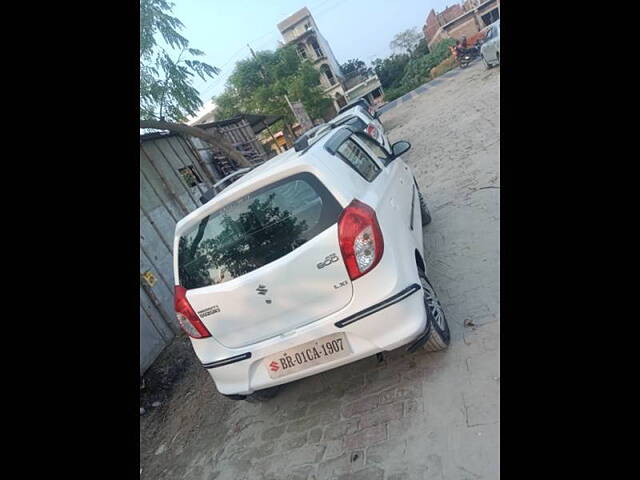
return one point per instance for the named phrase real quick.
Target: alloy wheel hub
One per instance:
(432, 303)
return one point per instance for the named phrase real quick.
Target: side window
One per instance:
(357, 158)
(376, 148)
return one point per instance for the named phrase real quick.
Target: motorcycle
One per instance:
(468, 55)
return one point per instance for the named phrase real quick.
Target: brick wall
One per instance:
(467, 28)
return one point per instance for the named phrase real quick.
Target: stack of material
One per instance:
(241, 133)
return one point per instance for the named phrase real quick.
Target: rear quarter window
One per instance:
(255, 230)
(357, 123)
(358, 159)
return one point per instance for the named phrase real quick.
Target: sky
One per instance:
(354, 28)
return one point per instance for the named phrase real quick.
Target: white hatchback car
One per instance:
(490, 49)
(306, 263)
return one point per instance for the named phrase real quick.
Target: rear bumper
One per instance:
(398, 320)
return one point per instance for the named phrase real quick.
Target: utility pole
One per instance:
(264, 74)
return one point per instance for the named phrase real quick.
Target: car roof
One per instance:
(354, 103)
(353, 111)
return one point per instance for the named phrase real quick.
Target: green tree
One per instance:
(354, 67)
(167, 65)
(391, 69)
(406, 40)
(421, 49)
(167, 68)
(418, 70)
(259, 85)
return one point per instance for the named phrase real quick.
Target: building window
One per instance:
(491, 17)
(328, 74)
(316, 48)
(190, 176)
(302, 51)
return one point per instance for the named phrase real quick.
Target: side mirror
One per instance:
(400, 148)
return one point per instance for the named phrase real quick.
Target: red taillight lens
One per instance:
(187, 318)
(372, 131)
(360, 238)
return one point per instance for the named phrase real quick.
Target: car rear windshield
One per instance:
(255, 230)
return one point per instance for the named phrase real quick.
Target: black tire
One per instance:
(235, 397)
(266, 394)
(258, 395)
(424, 211)
(440, 335)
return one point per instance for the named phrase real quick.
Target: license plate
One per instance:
(307, 355)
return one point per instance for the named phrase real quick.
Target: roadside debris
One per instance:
(156, 404)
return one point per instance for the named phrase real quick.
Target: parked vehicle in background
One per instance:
(311, 261)
(356, 117)
(364, 103)
(490, 49)
(468, 55)
(370, 124)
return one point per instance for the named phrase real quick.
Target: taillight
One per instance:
(372, 131)
(187, 318)
(360, 238)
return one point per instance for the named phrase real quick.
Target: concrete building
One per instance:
(301, 30)
(460, 20)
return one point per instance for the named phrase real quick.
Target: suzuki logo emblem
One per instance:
(274, 366)
(262, 290)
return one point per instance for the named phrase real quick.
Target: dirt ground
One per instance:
(413, 416)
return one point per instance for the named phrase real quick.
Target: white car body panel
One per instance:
(306, 305)
(490, 49)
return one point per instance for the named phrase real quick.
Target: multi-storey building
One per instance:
(301, 29)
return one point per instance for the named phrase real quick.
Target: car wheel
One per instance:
(258, 395)
(424, 211)
(265, 394)
(440, 335)
(235, 397)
